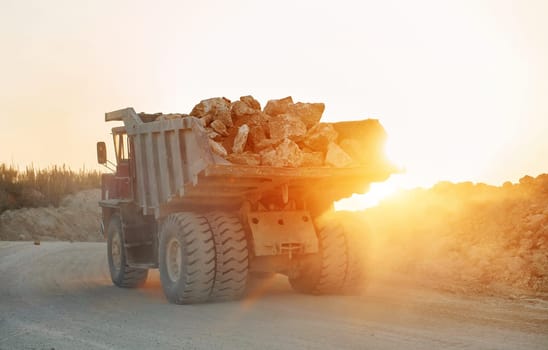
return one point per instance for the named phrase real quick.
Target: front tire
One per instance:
(121, 275)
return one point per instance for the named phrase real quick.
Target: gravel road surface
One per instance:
(59, 296)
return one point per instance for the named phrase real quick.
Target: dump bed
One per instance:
(175, 164)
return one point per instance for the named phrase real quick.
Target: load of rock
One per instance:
(283, 134)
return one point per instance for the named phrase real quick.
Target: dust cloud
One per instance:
(463, 238)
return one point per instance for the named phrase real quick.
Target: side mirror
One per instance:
(101, 153)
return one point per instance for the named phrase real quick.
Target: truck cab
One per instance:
(119, 184)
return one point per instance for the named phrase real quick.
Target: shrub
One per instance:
(42, 187)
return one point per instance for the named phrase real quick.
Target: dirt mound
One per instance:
(76, 219)
(464, 237)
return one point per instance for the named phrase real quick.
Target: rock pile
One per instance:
(283, 134)
(76, 219)
(467, 237)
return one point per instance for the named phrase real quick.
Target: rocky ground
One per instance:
(59, 296)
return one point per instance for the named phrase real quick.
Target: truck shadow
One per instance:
(264, 288)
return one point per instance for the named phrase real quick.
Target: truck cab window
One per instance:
(121, 147)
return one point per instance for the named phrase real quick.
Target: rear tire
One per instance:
(121, 275)
(325, 272)
(231, 267)
(338, 268)
(186, 258)
(355, 278)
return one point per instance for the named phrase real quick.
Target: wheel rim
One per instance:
(116, 251)
(173, 259)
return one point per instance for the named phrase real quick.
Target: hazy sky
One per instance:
(460, 86)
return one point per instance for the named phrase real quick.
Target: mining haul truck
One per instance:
(210, 226)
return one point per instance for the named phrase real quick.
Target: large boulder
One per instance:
(217, 148)
(251, 102)
(286, 154)
(257, 123)
(286, 126)
(219, 127)
(241, 139)
(240, 109)
(277, 107)
(217, 108)
(212, 134)
(319, 136)
(310, 113)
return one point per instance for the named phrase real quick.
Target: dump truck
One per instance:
(211, 226)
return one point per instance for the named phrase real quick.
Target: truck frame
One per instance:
(210, 226)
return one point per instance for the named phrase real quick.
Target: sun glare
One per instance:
(377, 192)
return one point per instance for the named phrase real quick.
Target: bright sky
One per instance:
(460, 86)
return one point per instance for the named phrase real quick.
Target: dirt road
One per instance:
(59, 295)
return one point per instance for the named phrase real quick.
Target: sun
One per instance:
(379, 190)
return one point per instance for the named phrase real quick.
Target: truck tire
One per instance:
(231, 263)
(340, 266)
(186, 258)
(325, 272)
(121, 275)
(355, 273)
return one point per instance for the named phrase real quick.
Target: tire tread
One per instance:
(231, 268)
